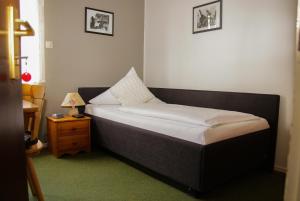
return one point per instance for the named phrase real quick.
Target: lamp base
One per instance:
(73, 111)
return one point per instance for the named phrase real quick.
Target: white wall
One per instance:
(292, 192)
(81, 59)
(254, 52)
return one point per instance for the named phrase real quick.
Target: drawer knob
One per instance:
(74, 143)
(74, 129)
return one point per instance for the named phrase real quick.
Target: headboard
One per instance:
(263, 105)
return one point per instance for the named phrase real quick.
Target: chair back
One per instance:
(36, 95)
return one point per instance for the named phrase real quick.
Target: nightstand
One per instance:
(68, 135)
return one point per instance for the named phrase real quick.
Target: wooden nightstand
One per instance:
(68, 135)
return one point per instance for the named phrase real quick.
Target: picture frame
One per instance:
(99, 21)
(207, 17)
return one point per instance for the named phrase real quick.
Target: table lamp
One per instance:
(73, 100)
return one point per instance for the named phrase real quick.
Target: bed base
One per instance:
(198, 167)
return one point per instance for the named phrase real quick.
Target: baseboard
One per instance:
(280, 169)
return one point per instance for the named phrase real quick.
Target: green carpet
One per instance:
(100, 177)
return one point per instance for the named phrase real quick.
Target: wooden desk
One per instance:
(29, 110)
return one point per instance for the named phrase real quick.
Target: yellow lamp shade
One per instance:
(72, 100)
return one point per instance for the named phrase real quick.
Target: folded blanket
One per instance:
(194, 115)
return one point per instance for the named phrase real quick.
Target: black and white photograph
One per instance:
(99, 21)
(207, 17)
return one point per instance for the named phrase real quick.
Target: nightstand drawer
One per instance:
(73, 143)
(73, 128)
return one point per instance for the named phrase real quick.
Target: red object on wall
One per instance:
(26, 77)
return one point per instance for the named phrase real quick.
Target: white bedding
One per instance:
(195, 115)
(192, 132)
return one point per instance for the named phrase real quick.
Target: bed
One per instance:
(198, 166)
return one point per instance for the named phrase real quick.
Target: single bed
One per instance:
(199, 160)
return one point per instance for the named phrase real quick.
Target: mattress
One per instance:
(186, 131)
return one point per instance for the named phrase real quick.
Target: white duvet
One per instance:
(194, 115)
(186, 131)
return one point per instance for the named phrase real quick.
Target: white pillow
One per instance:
(130, 90)
(105, 98)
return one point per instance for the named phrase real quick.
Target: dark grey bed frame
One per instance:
(198, 167)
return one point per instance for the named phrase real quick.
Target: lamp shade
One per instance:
(72, 100)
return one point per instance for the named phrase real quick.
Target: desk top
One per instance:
(29, 107)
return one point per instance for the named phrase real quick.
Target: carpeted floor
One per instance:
(100, 177)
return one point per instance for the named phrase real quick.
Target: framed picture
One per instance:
(99, 21)
(207, 17)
